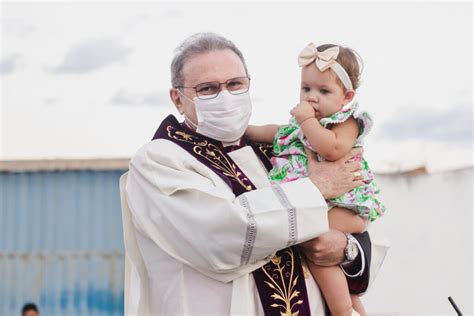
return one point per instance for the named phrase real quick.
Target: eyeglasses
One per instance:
(210, 90)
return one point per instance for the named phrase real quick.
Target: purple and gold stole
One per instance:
(280, 282)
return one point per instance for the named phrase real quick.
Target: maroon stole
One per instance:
(280, 283)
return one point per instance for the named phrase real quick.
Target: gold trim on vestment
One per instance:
(264, 149)
(212, 154)
(217, 159)
(284, 292)
(184, 137)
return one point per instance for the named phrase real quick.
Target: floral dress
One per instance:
(290, 162)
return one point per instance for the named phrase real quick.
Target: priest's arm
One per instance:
(191, 213)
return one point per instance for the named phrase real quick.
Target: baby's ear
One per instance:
(348, 96)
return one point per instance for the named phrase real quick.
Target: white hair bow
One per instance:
(324, 60)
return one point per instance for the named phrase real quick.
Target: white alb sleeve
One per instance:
(193, 216)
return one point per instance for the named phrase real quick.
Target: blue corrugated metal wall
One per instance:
(61, 243)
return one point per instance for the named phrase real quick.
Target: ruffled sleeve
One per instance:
(363, 119)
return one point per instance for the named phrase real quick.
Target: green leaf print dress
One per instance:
(290, 161)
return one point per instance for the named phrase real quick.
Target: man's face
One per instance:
(30, 313)
(219, 65)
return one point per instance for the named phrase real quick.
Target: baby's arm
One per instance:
(345, 220)
(332, 144)
(262, 134)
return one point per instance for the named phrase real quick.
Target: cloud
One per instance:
(156, 98)
(17, 27)
(92, 54)
(125, 98)
(451, 125)
(9, 64)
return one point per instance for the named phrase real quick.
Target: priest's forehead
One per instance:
(217, 65)
(201, 44)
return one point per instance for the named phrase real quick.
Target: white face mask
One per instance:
(224, 118)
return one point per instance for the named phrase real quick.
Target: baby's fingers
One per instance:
(353, 166)
(356, 184)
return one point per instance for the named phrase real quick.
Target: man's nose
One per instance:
(222, 86)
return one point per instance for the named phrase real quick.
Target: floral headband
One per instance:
(324, 60)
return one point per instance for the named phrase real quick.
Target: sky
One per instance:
(91, 80)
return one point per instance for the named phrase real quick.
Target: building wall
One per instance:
(61, 242)
(429, 225)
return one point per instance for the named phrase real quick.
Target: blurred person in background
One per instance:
(30, 309)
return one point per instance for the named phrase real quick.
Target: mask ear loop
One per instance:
(186, 119)
(179, 91)
(189, 122)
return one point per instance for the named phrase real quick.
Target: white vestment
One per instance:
(187, 241)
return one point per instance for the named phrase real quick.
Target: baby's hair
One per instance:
(350, 60)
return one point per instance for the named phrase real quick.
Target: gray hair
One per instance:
(197, 44)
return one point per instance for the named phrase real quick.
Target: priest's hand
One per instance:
(334, 178)
(327, 249)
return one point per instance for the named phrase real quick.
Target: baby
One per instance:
(326, 122)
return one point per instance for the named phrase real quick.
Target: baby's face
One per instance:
(322, 91)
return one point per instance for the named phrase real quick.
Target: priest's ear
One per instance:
(176, 97)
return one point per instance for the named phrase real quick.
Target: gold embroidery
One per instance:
(284, 292)
(276, 260)
(217, 158)
(264, 148)
(212, 154)
(182, 136)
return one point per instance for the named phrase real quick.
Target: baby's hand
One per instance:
(303, 111)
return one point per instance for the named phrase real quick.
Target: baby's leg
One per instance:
(357, 305)
(345, 220)
(333, 285)
(332, 280)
